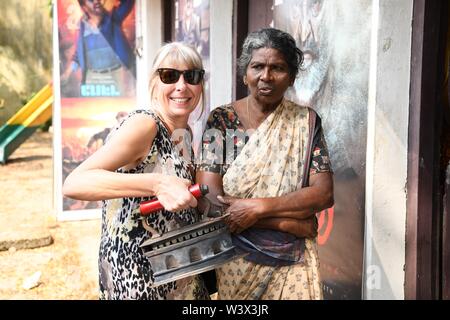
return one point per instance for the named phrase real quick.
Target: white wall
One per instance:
(149, 38)
(221, 37)
(387, 149)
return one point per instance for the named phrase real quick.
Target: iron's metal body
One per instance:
(189, 250)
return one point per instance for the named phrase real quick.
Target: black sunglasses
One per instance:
(169, 76)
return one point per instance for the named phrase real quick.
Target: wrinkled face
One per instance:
(93, 7)
(306, 24)
(178, 99)
(268, 76)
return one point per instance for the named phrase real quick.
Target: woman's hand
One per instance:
(173, 193)
(243, 213)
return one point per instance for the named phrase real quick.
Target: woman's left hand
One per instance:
(243, 213)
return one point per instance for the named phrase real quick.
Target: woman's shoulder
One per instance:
(293, 105)
(144, 115)
(297, 108)
(221, 112)
(137, 124)
(223, 109)
(143, 111)
(138, 118)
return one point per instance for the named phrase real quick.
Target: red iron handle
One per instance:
(147, 207)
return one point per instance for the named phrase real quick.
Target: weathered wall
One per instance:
(387, 150)
(25, 52)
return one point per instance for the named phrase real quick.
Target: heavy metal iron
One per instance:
(190, 249)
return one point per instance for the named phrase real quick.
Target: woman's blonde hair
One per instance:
(175, 53)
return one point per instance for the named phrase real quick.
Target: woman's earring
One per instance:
(245, 80)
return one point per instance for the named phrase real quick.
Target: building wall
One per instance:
(25, 52)
(221, 52)
(387, 148)
(149, 38)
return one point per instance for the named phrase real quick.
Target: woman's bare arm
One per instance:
(95, 178)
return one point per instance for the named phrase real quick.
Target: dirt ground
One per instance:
(68, 267)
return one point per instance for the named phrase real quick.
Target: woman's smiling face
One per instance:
(180, 98)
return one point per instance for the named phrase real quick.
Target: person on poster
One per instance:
(103, 56)
(335, 37)
(139, 160)
(259, 178)
(335, 70)
(190, 27)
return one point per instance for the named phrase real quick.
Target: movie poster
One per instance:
(191, 25)
(97, 78)
(335, 39)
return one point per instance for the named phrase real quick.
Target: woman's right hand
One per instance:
(173, 193)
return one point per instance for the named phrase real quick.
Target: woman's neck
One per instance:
(262, 108)
(172, 123)
(259, 111)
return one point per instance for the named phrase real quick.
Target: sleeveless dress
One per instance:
(124, 271)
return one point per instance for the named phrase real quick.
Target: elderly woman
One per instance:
(140, 160)
(270, 214)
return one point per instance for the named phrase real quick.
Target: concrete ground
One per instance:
(40, 257)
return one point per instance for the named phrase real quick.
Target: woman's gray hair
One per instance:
(275, 39)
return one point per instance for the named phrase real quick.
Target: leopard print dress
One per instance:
(124, 271)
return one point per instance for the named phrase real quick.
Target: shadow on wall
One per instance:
(25, 52)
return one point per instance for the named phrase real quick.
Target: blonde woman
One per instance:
(138, 161)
